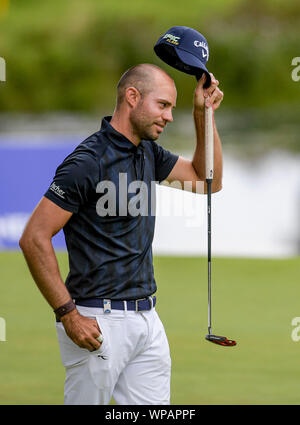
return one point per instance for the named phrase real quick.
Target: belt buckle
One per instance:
(150, 299)
(106, 306)
(137, 304)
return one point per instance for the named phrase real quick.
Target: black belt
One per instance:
(143, 304)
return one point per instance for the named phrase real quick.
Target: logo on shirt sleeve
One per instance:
(57, 190)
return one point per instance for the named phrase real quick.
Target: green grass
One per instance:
(254, 302)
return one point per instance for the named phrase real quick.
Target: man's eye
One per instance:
(163, 104)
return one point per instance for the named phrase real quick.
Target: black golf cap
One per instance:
(185, 49)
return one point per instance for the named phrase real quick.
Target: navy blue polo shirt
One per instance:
(108, 184)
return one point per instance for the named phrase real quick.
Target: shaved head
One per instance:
(143, 77)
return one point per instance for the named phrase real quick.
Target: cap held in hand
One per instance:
(185, 49)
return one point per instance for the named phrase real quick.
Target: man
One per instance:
(111, 339)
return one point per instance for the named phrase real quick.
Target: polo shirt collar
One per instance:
(118, 139)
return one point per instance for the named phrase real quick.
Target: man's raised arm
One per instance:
(186, 170)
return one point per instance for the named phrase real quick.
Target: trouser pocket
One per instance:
(100, 361)
(71, 354)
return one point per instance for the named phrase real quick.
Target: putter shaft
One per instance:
(209, 171)
(209, 182)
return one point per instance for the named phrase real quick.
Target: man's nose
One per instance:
(168, 116)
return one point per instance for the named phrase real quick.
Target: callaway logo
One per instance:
(56, 189)
(198, 43)
(172, 39)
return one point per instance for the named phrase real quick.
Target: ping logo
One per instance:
(2, 329)
(172, 39)
(2, 70)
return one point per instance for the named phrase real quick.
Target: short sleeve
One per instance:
(164, 162)
(74, 181)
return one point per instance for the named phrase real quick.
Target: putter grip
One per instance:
(209, 143)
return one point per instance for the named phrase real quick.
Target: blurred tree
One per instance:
(70, 55)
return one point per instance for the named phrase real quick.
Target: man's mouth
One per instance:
(160, 126)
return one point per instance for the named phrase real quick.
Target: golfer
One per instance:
(112, 341)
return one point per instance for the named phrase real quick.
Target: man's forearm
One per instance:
(199, 154)
(42, 262)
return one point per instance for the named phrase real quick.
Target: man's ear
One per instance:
(132, 96)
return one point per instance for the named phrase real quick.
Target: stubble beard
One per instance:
(141, 126)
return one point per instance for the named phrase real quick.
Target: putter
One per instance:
(186, 49)
(209, 161)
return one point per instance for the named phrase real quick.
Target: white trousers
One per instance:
(133, 364)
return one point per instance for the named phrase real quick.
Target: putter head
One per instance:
(221, 340)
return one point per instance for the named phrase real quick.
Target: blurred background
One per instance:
(61, 62)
